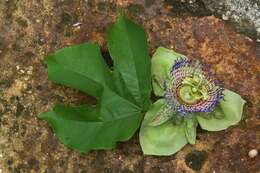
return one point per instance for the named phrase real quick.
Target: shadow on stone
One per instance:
(196, 159)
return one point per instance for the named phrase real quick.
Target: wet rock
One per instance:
(196, 159)
(22, 22)
(135, 9)
(106, 6)
(196, 7)
(19, 109)
(148, 3)
(28, 144)
(33, 163)
(2, 46)
(66, 20)
(244, 15)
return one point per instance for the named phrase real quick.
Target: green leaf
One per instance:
(122, 94)
(232, 109)
(116, 118)
(162, 62)
(81, 67)
(191, 124)
(127, 45)
(84, 128)
(165, 139)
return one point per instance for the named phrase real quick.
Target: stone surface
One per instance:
(244, 15)
(196, 159)
(29, 30)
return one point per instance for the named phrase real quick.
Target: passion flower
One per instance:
(189, 96)
(191, 88)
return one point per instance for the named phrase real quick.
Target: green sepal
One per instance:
(162, 62)
(217, 113)
(163, 115)
(191, 124)
(165, 139)
(231, 108)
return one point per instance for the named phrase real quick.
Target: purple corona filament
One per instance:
(183, 69)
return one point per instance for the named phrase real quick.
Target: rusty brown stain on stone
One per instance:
(28, 34)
